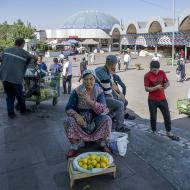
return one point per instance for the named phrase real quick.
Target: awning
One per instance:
(124, 41)
(179, 39)
(89, 42)
(165, 40)
(53, 42)
(141, 41)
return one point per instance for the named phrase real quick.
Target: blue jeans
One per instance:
(14, 90)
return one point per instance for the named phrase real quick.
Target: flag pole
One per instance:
(173, 34)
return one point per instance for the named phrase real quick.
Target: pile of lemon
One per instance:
(93, 161)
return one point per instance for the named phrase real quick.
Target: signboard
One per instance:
(73, 37)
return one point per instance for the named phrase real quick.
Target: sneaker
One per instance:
(130, 117)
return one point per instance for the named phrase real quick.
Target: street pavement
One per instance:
(33, 147)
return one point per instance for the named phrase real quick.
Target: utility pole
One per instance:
(173, 34)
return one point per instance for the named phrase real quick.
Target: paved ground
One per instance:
(33, 147)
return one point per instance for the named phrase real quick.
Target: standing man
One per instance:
(12, 71)
(83, 67)
(155, 82)
(67, 75)
(127, 59)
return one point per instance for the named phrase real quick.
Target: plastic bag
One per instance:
(118, 143)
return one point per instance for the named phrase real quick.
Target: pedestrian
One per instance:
(67, 75)
(182, 53)
(127, 59)
(119, 62)
(155, 82)
(83, 67)
(55, 70)
(155, 57)
(180, 71)
(12, 70)
(92, 58)
(42, 66)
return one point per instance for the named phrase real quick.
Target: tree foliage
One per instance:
(8, 33)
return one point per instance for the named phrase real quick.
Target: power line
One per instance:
(157, 5)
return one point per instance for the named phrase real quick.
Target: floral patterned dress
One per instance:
(98, 124)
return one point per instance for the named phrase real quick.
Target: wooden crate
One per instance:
(75, 175)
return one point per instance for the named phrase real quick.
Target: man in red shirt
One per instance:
(155, 82)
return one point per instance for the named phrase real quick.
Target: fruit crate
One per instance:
(76, 175)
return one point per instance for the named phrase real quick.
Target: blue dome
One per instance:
(90, 20)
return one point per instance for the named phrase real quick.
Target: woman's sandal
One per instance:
(174, 137)
(71, 153)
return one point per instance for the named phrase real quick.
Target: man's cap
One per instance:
(111, 59)
(154, 64)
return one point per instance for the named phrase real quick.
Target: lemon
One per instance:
(102, 165)
(80, 164)
(103, 159)
(88, 161)
(84, 166)
(97, 158)
(89, 167)
(85, 161)
(97, 166)
(93, 162)
(93, 156)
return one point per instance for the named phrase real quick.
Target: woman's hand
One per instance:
(80, 120)
(87, 98)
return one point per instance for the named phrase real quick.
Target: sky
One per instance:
(49, 14)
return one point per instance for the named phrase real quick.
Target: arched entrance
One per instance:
(185, 27)
(115, 40)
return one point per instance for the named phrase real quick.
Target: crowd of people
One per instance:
(97, 106)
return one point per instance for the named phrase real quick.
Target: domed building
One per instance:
(93, 25)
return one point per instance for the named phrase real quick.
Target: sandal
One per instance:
(174, 137)
(71, 153)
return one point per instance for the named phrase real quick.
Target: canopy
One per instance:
(89, 42)
(53, 42)
(165, 40)
(73, 41)
(141, 41)
(124, 41)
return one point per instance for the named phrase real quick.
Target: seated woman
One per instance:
(87, 119)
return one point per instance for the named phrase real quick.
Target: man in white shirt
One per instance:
(61, 56)
(155, 57)
(67, 75)
(127, 59)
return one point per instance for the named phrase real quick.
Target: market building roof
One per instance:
(90, 20)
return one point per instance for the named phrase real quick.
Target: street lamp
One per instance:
(173, 34)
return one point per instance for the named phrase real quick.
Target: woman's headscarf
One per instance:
(88, 72)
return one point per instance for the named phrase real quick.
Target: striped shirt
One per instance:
(104, 79)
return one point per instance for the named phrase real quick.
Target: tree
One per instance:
(8, 33)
